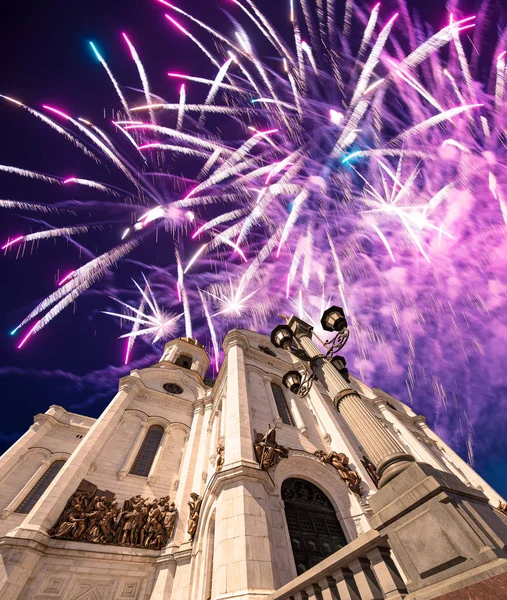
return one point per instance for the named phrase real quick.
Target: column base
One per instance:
(440, 530)
(393, 465)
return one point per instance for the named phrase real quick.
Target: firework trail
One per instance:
(363, 166)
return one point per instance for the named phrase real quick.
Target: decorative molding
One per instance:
(342, 395)
(235, 338)
(184, 406)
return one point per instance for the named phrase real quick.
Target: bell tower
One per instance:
(186, 353)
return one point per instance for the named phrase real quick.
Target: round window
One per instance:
(172, 388)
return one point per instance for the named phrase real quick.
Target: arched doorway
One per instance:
(313, 526)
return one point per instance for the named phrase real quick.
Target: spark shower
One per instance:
(353, 159)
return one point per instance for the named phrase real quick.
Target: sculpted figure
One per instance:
(144, 524)
(502, 507)
(170, 519)
(268, 451)
(108, 522)
(130, 518)
(193, 517)
(93, 533)
(157, 539)
(75, 521)
(341, 463)
(371, 470)
(220, 458)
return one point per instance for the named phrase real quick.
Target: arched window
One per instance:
(40, 487)
(184, 360)
(146, 455)
(281, 405)
(314, 529)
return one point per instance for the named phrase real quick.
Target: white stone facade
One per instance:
(242, 548)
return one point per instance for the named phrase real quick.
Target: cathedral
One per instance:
(187, 488)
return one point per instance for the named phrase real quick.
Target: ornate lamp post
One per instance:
(382, 449)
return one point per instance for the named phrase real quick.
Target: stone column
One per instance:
(152, 475)
(134, 449)
(187, 471)
(382, 449)
(272, 404)
(200, 462)
(238, 428)
(420, 451)
(213, 439)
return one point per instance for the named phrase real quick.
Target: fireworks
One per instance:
(363, 166)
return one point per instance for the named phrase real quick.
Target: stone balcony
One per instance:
(362, 570)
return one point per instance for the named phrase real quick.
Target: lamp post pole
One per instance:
(381, 447)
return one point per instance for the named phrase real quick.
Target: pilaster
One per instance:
(244, 561)
(187, 471)
(238, 428)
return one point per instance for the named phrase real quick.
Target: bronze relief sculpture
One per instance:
(267, 451)
(220, 458)
(193, 515)
(92, 517)
(340, 462)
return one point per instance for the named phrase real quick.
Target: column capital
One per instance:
(198, 406)
(299, 328)
(235, 338)
(343, 394)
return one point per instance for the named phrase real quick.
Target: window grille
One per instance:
(146, 455)
(281, 405)
(40, 487)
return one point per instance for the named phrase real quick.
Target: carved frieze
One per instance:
(93, 516)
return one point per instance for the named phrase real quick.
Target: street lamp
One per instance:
(330, 369)
(292, 381)
(281, 337)
(334, 319)
(284, 337)
(340, 364)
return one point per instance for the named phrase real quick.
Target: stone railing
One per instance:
(362, 570)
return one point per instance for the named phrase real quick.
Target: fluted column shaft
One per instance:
(381, 447)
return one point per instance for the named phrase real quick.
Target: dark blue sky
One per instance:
(76, 361)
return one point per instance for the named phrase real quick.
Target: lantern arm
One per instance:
(335, 344)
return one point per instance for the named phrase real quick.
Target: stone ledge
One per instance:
(486, 582)
(412, 488)
(245, 470)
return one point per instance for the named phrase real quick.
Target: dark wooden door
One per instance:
(313, 526)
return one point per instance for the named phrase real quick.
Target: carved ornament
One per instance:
(93, 516)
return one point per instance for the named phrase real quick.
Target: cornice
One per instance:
(167, 366)
(235, 338)
(43, 418)
(280, 365)
(239, 473)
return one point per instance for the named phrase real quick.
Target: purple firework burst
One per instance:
(355, 159)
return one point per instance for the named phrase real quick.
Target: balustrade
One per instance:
(362, 570)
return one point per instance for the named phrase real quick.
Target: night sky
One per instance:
(77, 360)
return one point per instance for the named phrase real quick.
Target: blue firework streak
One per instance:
(362, 165)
